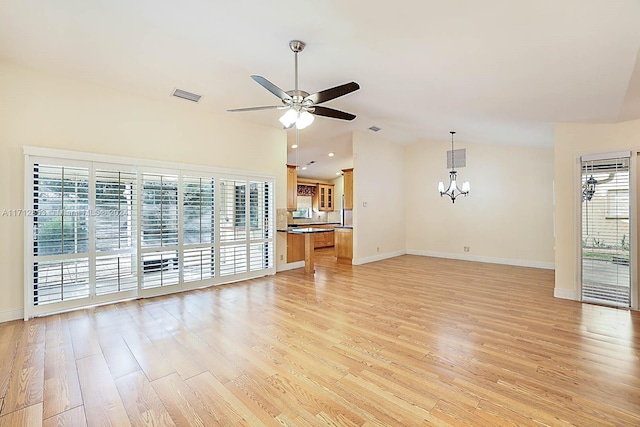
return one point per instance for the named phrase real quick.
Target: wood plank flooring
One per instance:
(407, 341)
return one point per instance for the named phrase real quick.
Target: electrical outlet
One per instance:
(378, 248)
(281, 257)
(466, 248)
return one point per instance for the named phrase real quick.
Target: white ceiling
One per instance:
(496, 71)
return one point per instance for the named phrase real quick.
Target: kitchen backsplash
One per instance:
(315, 217)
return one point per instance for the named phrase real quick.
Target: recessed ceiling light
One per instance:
(304, 168)
(338, 173)
(294, 146)
(331, 154)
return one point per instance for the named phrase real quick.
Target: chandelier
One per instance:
(453, 190)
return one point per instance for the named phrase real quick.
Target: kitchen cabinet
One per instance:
(325, 199)
(323, 240)
(347, 175)
(292, 188)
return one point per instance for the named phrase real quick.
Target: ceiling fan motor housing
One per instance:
(296, 46)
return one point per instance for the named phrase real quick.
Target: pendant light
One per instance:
(453, 190)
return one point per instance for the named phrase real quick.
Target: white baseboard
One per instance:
(378, 257)
(491, 260)
(290, 266)
(565, 294)
(7, 316)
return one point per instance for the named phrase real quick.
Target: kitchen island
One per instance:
(307, 235)
(344, 244)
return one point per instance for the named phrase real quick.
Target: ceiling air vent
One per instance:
(186, 95)
(374, 128)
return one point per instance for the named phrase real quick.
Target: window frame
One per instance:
(96, 161)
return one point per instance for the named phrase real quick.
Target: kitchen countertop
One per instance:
(306, 224)
(300, 230)
(350, 227)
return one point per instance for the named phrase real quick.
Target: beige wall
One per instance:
(47, 111)
(378, 181)
(571, 141)
(507, 217)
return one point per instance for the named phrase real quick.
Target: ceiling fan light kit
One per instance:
(292, 117)
(300, 105)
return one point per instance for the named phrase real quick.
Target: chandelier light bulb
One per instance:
(452, 186)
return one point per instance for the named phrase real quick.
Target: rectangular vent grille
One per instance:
(374, 128)
(186, 95)
(460, 158)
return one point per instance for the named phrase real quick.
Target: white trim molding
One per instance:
(379, 257)
(490, 260)
(9, 315)
(565, 294)
(290, 266)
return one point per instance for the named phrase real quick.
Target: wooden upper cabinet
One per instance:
(292, 188)
(348, 188)
(325, 197)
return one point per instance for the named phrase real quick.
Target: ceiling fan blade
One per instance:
(330, 112)
(268, 107)
(271, 87)
(334, 92)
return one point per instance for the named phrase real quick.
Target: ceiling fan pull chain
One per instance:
(296, 62)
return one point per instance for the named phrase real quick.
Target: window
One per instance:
(60, 245)
(198, 227)
(115, 230)
(104, 231)
(159, 230)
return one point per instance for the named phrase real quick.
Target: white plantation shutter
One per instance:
(104, 231)
(606, 234)
(233, 259)
(60, 245)
(233, 226)
(159, 230)
(232, 212)
(159, 210)
(198, 196)
(115, 230)
(261, 242)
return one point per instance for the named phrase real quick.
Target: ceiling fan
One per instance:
(300, 105)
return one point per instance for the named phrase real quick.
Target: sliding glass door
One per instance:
(606, 277)
(99, 232)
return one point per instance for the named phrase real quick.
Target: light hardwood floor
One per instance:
(406, 341)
